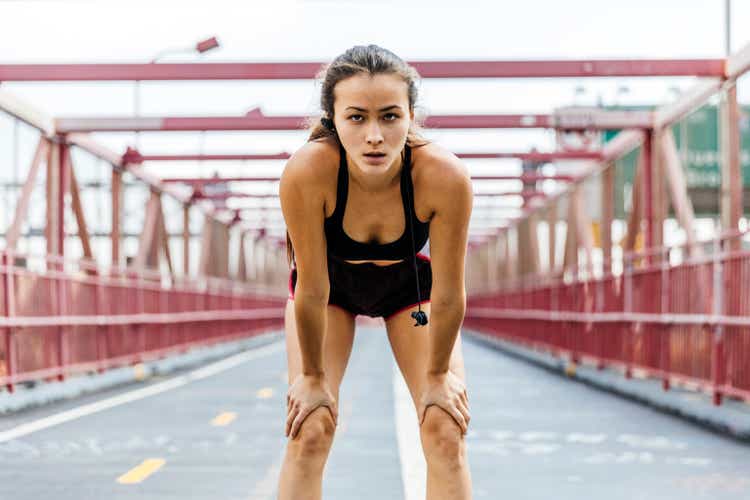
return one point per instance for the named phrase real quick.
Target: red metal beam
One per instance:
(214, 157)
(135, 157)
(308, 70)
(197, 195)
(535, 157)
(525, 177)
(256, 120)
(21, 110)
(738, 63)
(198, 182)
(688, 102)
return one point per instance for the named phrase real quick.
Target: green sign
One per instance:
(697, 140)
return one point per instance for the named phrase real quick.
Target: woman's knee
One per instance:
(442, 439)
(315, 435)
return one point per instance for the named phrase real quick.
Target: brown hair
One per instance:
(360, 59)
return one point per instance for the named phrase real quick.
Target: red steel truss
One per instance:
(308, 70)
(132, 156)
(256, 120)
(132, 313)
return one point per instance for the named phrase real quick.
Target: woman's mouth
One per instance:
(374, 158)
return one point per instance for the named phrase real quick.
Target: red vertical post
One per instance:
(101, 331)
(140, 328)
(718, 360)
(629, 339)
(647, 193)
(116, 211)
(62, 286)
(6, 260)
(186, 240)
(731, 165)
(665, 331)
(165, 335)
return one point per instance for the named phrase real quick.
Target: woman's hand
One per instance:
(307, 393)
(448, 392)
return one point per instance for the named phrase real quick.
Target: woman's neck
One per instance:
(370, 185)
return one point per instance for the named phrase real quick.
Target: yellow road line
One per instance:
(265, 393)
(225, 418)
(142, 471)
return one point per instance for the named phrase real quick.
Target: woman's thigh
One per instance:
(411, 348)
(337, 345)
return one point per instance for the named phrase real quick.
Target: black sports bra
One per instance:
(341, 246)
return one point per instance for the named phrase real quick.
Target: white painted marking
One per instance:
(699, 461)
(653, 442)
(579, 437)
(538, 436)
(502, 435)
(539, 449)
(628, 457)
(144, 392)
(413, 465)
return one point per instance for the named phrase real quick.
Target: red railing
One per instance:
(686, 322)
(69, 317)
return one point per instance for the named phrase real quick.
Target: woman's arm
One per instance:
(452, 193)
(449, 191)
(303, 204)
(301, 193)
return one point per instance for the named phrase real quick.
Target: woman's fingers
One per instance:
(465, 412)
(459, 418)
(334, 408)
(465, 399)
(289, 419)
(301, 416)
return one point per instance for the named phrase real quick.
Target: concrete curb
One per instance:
(48, 392)
(732, 418)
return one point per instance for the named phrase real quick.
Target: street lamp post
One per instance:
(200, 48)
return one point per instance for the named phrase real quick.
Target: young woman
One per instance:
(360, 199)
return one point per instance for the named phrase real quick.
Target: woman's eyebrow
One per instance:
(381, 109)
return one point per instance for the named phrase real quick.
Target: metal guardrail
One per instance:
(687, 322)
(69, 316)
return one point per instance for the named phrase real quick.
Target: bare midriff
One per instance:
(376, 262)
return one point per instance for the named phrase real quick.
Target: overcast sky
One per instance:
(318, 30)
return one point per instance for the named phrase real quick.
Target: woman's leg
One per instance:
(444, 446)
(302, 470)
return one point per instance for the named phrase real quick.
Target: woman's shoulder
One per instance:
(437, 168)
(313, 164)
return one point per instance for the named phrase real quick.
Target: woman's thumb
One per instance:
(421, 414)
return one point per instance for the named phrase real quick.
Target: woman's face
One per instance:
(372, 118)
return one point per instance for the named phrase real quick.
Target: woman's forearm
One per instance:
(445, 323)
(310, 315)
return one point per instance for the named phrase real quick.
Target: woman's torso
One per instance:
(376, 218)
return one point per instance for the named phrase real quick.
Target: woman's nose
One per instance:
(374, 135)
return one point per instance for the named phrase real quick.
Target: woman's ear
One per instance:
(411, 114)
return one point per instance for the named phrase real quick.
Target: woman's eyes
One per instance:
(388, 117)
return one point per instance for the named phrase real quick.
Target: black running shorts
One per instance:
(372, 290)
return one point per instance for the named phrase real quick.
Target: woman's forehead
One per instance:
(365, 91)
